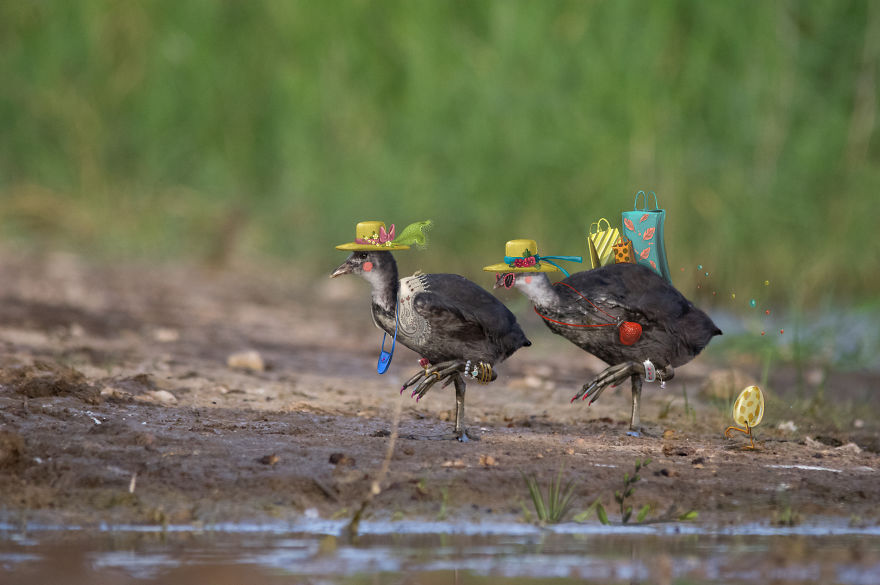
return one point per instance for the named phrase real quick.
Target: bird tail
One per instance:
(698, 329)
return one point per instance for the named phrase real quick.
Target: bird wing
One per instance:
(628, 288)
(465, 315)
(673, 328)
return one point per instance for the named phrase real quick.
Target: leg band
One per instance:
(650, 371)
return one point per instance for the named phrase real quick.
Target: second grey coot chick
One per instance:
(587, 307)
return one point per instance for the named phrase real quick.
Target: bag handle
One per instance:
(385, 356)
(645, 208)
(598, 225)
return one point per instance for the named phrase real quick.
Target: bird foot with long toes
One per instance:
(446, 371)
(611, 376)
(453, 371)
(425, 379)
(461, 436)
(643, 433)
(617, 374)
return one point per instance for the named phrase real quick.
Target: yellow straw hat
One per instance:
(522, 256)
(372, 235)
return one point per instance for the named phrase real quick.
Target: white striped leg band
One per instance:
(650, 371)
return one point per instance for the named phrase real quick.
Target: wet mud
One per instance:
(119, 403)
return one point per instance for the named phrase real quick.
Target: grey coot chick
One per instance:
(458, 328)
(624, 314)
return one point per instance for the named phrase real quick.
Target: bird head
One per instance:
(365, 264)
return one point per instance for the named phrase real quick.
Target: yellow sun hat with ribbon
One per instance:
(372, 235)
(522, 256)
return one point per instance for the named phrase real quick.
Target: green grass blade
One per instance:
(689, 515)
(600, 513)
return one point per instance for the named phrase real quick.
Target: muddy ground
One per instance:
(118, 404)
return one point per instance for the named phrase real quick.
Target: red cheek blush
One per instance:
(528, 280)
(368, 266)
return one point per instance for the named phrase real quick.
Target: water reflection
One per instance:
(458, 554)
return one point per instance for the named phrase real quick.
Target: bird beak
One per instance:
(345, 268)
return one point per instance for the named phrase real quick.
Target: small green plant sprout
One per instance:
(688, 409)
(786, 516)
(621, 496)
(628, 487)
(555, 507)
(444, 500)
(594, 507)
(664, 410)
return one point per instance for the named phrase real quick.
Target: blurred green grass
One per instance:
(226, 130)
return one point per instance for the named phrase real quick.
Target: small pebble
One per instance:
(246, 360)
(269, 459)
(166, 335)
(488, 461)
(341, 459)
(456, 463)
(116, 393)
(160, 396)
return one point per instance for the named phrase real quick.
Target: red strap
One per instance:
(586, 299)
(578, 324)
(572, 324)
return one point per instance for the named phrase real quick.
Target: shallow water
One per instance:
(840, 337)
(433, 553)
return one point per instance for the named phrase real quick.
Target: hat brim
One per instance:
(501, 267)
(355, 247)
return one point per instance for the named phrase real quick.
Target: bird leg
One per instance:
(452, 371)
(636, 383)
(616, 374)
(460, 388)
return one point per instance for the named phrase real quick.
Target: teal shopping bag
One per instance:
(645, 228)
